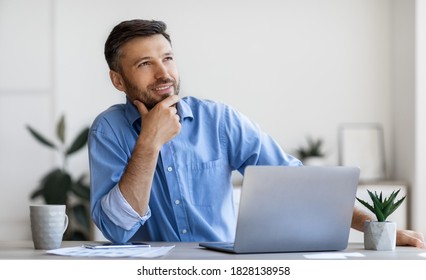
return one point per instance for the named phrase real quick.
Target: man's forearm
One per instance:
(358, 219)
(135, 184)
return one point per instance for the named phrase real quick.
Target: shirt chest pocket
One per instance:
(208, 182)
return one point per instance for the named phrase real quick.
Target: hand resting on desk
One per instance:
(410, 238)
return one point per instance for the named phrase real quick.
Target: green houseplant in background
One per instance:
(59, 187)
(312, 153)
(381, 234)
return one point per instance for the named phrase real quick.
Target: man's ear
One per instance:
(117, 80)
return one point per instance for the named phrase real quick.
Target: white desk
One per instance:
(24, 250)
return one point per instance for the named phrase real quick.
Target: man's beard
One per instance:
(146, 96)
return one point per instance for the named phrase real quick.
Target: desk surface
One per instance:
(24, 250)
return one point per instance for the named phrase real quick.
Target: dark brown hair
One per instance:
(127, 30)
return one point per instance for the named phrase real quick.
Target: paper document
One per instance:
(114, 246)
(334, 255)
(144, 252)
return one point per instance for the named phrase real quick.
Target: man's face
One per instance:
(148, 70)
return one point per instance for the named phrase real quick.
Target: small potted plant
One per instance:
(380, 235)
(311, 154)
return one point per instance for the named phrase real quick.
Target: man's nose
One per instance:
(161, 71)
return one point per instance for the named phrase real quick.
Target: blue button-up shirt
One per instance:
(192, 195)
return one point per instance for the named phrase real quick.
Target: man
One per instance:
(160, 165)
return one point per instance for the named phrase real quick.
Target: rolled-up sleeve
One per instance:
(119, 211)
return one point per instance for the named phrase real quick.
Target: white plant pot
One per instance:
(379, 236)
(314, 161)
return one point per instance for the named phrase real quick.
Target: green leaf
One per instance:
(36, 193)
(78, 235)
(79, 142)
(55, 186)
(81, 190)
(382, 208)
(377, 200)
(366, 204)
(82, 215)
(43, 140)
(60, 129)
(313, 149)
(389, 203)
(379, 214)
(396, 205)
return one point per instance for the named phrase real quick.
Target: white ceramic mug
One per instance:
(48, 224)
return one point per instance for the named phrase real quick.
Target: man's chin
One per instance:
(151, 103)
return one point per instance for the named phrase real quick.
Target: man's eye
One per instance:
(143, 64)
(168, 58)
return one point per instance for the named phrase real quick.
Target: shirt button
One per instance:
(184, 231)
(170, 169)
(177, 201)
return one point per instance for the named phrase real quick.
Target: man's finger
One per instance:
(170, 101)
(141, 107)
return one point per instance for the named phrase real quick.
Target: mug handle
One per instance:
(65, 223)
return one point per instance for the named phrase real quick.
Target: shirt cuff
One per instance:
(119, 211)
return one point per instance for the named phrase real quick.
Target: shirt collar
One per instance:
(184, 110)
(132, 113)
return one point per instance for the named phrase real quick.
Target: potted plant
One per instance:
(58, 186)
(380, 235)
(311, 154)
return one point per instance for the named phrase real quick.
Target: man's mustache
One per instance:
(163, 81)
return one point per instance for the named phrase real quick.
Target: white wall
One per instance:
(404, 88)
(26, 95)
(409, 88)
(404, 95)
(419, 191)
(297, 67)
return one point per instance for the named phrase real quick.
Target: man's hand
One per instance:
(161, 123)
(410, 238)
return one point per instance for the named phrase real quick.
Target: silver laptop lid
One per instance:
(289, 209)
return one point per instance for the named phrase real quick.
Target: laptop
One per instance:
(293, 209)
